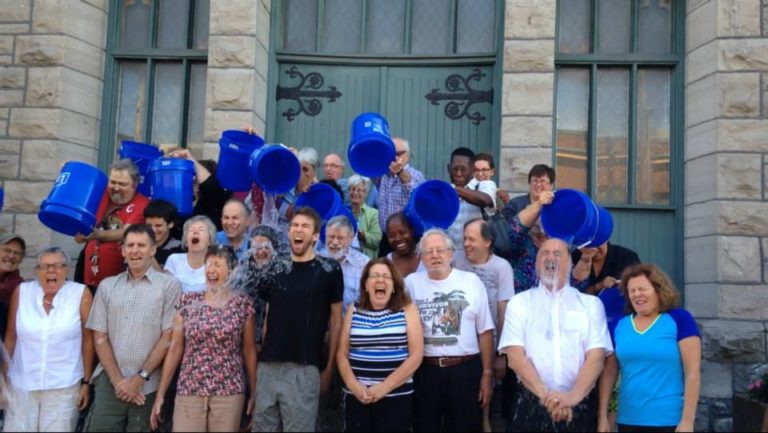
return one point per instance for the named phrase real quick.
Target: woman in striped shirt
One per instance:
(380, 348)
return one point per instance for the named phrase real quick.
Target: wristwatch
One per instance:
(144, 374)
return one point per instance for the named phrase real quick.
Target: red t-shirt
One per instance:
(109, 259)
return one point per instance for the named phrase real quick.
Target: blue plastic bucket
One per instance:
(172, 179)
(74, 199)
(323, 199)
(371, 149)
(235, 149)
(141, 154)
(434, 203)
(576, 219)
(274, 168)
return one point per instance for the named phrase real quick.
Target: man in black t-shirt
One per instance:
(303, 304)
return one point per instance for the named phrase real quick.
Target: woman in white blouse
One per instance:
(199, 233)
(51, 354)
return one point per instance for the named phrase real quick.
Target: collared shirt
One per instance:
(453, 311)
(556, 330)
(394, 194)
(352, 268)
(240, 252)
(134, 313)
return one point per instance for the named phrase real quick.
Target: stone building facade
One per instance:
(52, 56)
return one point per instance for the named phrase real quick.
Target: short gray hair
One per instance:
(438, 232)
(340, 222)
(405, 142)
(357, 180)
(126, 164)
(309, 155)
(54, 250)
(197, 219)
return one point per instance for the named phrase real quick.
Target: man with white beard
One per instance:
(339, 234)
(556, 339)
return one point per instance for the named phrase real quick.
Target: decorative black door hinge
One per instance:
(306, 93)
(461, 96)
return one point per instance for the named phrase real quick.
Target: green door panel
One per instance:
(398, 93)
(651, 234)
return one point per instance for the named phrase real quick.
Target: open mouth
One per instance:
(194, 240)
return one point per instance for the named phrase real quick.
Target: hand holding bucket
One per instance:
(575, 218)
(235, 149)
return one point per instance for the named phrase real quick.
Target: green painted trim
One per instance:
(154, 17)
(498, 86)
(634, 17)
(149, 101)
(453, 31)
(594, 28)
(592, 134)
(273, 71)
(320, 25)
(618, 59)
(170, 54)
(677, 152)
(105, 146)
(361, 60)
(186, 66)
(364, 28)
(553, 162)
(407, 33)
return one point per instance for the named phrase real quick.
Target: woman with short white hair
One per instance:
(368, 228)
(51, 355)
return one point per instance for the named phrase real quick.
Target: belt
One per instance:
(448, 361)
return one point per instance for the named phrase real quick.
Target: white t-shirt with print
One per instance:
(497, 276)
(192, 280)
(453, 312)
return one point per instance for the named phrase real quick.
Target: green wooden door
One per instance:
(436, 108)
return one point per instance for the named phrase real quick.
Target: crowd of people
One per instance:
(234, 320)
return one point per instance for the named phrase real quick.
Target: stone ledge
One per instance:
(232, 17)
(744, 302)
(743, 55)
(52, 50)
(529, 55)
(526, 131)
(528, 93)
(732, 341)
(529, 19)
(231, 51)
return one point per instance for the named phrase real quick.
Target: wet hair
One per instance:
(463, 151)
(161, 209)
(540, 170)
(311, 214)
(486, 229)
(339, 221)
(140, 229)
(197, 219)
(665, 290)
(333, 184)
(126, 164)
(399, 298)
(267, 232)
(437, 232)
(487, 157)
(225, 252)
(55, 250)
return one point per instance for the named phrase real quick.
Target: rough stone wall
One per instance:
(51, 68)
(237, 69)
(726, 212)
(528, 87)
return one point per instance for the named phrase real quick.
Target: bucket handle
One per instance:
(597, 225)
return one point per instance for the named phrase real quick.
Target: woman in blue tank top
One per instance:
(657, 358)
(380, 348)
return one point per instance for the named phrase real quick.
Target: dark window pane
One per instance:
(572, 127)
(196, 112)
(386, 20)
(172, 24)
(612, 126)
(341, 29)
(575, 21)
(130, 101)
(653, 130)
(166, 112)
(430, 28)
(613, 29)
(134, 29)
(200, 35)
(476, 24)
(300, 25)
(654, 26)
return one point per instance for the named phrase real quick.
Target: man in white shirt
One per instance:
(458, 341)
(556, 339)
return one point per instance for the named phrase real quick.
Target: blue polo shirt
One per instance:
(221, 239)
(651, 387)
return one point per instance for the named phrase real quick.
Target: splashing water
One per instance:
(551, 275)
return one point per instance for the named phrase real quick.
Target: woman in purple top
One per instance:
(213, 337)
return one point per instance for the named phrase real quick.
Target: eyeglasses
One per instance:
(9, 251)
(51, 267)
(378, 276)
(438, 251)
(483, 170)
(543, 182)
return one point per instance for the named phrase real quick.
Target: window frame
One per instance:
(114, 54)
(674, 62)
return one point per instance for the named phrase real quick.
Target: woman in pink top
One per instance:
(213, 337)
